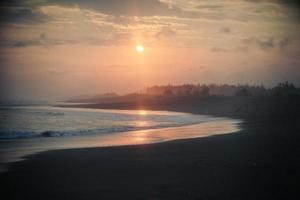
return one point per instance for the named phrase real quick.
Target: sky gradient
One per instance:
(63, 48)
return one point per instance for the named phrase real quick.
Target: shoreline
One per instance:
(260, 162)
(40, 144)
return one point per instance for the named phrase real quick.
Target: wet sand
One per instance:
(260, 162)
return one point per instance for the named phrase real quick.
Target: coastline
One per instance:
(261, 162)
(15, 149)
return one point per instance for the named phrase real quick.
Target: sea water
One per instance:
(28, 129)
(19, 122)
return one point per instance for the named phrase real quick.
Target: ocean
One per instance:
(29, 129)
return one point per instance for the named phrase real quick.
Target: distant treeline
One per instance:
(282, 89)
(191, 90)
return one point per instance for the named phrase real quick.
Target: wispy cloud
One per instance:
(268, 43)
(121, 7)
(285, 42)
(219, 50)
(209, 7)
(225, 30)
(165, 32)
(21, 15)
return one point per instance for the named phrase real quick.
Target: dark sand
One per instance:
(260, 162)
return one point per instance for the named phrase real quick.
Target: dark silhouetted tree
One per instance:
(168, 93)
(243, 92)
(285, 89)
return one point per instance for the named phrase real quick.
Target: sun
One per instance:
(140, 48)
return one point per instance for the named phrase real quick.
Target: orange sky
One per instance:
(59, 49)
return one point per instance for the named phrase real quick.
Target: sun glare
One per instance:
(142, 112)
(140, 48)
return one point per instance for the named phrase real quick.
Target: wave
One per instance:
(55, 113)
(52, 133)
(17, 134)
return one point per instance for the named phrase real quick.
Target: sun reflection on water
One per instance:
(142, 112)
(142, 123)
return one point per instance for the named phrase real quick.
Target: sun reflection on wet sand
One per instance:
(140, 136)
(192, 131)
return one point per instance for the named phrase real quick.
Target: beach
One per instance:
(259, 162)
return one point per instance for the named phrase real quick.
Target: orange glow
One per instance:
(142, 123)
(142, 112)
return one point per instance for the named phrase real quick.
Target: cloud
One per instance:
(165, 32)
(117, 11)
(268, 43)
(295, 4)
(114, 39)
(285, 42)
(225, 30)
(95, 22)
(56, 73)
(14, 3)
(41, 41)
(21, 15)
(209, 7)
(49, 42)
(122, 7)
(118, 8)
(264, 44)
(287, 2)
(219, 50)
(21, 43)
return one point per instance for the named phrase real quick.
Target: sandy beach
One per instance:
(260, 162)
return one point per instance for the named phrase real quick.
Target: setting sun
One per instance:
(140, 48)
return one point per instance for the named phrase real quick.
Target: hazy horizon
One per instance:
(58, 49)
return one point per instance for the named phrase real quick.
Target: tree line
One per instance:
(282, 89)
